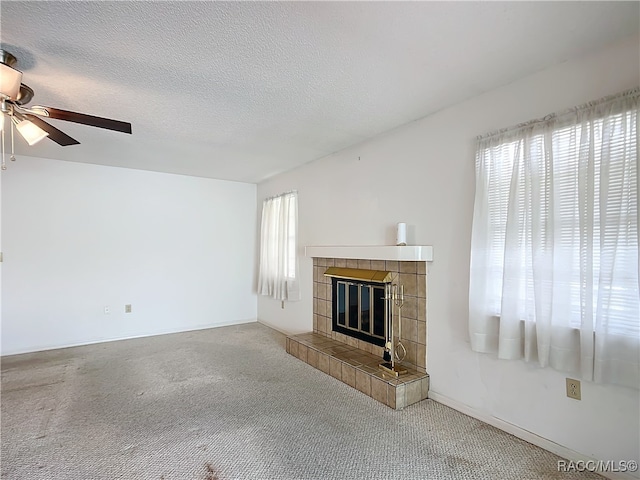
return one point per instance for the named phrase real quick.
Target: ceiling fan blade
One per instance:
(56, 135)
(90, 120)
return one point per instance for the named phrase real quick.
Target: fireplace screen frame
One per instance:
(377, 306)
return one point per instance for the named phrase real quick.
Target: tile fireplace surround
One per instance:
(355, 362)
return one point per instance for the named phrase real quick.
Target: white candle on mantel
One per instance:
(401, 237)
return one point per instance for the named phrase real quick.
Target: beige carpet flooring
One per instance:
(229, 403)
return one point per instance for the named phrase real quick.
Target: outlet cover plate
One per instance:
(573, 389)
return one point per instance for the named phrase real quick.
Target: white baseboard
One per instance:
(525, 435)
(142, 335)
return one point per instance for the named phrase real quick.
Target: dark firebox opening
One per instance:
(358, 309)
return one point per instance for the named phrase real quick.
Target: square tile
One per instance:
(312, 357)
(421, 336)
(421, 355)
(409, 281)
(364, 264)
(341, 262)
(349, 375)
(335, 368)
(351, 263)
(391, 266)
(408, 267)
(377, 265)
(421, 283)
(293, 348)
(363, 382)
(409, 329)
(302, 352)
(323, 362)
(425, 387)
(401, 400)
(422, 268)
(379, 390)
(391, 395)
(414, 392)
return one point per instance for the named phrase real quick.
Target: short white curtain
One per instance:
(278, 277)
(554, 255)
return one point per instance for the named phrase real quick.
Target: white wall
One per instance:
(79, 237)
(423, 174)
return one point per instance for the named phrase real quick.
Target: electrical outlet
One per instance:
(127, 308)
(107, 310)
(573, 389)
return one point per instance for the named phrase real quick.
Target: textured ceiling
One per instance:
(242, 91)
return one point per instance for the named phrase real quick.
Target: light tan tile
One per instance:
(391, 396)
(336, 368)
(302, 352)
(377, 265)
(414, 392)
(323, 362)
(421, 282)
(421, 355)
(293, 348)
(391, 266)
(352, 263)
(409, 329)
(330, 262)
(352, 342)
(341, 262)
(410, 307)
(322, 328)
(316, 274)
(315, 261)
(408, 267)
(379, 390)
(322, 308)
(409, 282)
(411, 352)
(322, 262)
(422, 309)
(349, 375)
(315, 305)
(425, 387)
(401, 399)
(422, 332)
(315, 323)
(315, 289)
(287, 346)
(312, 357)
(422, 268)
(363, 382)
(365, 264)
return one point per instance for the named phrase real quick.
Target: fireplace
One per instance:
(357, 357)
(348, 298)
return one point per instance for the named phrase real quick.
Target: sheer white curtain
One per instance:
(554, 256)
(278, 277)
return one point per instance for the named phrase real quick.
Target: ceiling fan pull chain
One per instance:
(12, 157)
(4, 165)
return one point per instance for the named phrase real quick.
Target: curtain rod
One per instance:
(281, 195)
(634, 92)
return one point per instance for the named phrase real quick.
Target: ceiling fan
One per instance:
(14, 95)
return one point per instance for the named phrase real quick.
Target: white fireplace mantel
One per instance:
(409, 253)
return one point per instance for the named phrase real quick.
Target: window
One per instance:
(278, 275)
(554, 267)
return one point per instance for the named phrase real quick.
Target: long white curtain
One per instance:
(278, 277)
(554, 256)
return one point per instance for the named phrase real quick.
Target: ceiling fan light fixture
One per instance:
(10, 80)
(30, 131)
